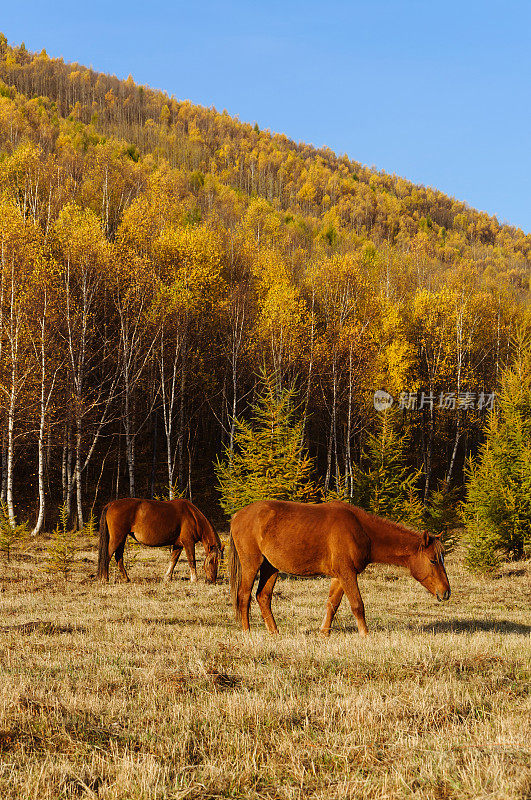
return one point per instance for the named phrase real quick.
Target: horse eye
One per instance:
(433, 560)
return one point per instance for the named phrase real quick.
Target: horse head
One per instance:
(427, 566)
(211, 562)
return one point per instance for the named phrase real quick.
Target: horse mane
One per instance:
(389, 522)
(438, 546)
(204, 525)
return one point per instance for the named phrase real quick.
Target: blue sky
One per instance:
(436, 92)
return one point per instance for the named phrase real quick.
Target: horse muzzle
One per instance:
(445, 596)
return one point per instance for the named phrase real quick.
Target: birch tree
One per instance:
(188, 261)
(18, 249)
(85, 258)
(133, 294)
(47, 359)
(342, 305)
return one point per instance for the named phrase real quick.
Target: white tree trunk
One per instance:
(129, 438)
(77, 474)
(10, 447)
(168, 392)
(40, 516)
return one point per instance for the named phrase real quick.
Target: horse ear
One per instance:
(425, 538)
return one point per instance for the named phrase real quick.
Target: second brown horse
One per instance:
(334, 539)
(157, 523)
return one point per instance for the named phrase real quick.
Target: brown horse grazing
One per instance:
(334, 539)
(157, 523)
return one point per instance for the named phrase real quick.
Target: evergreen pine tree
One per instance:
(11, 536)
(497, 510)
(62, 548)
(90, 528)
(269, 459)
(384, 483)
(442, 515)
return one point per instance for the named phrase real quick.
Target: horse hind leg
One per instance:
(334, 599)
(264, 593)
(119, 556)
(249, 570)
(117, 538)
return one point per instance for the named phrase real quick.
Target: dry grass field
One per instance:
(150, 691)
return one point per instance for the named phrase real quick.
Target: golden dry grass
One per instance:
(150, 691)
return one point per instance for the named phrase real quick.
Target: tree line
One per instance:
(156, 256)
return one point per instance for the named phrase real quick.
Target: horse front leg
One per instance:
(175, 553)
(334, 599)
(189, 548)
(349, 582)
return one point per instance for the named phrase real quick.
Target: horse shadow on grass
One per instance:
(473, 625)
(50, 628)
(176, 622)
(446, 626)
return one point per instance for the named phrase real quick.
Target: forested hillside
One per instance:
(156, 254)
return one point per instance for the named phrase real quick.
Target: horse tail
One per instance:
(103, 553)
(235, 576)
